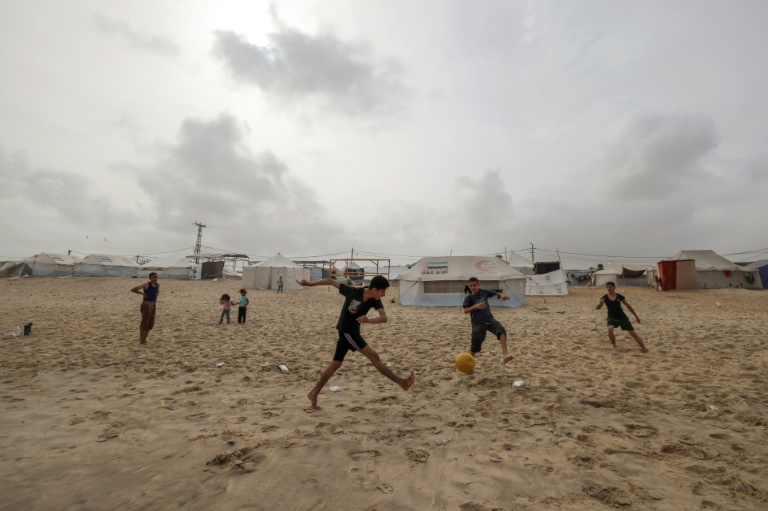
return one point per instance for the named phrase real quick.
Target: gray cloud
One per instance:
(159, 44)
(656, 155)
(756, 170)
(209, 174)
(60, 206)
(485, 202)
(470, 203)
(342, 76)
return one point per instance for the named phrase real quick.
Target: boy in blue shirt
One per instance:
(242, 307)
(476, 305)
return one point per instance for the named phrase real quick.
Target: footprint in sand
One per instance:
(640, 430)
(419, 455)
(357, 455)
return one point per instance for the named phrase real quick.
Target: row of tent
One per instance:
(99, 265)
(62, 265)
(431, 280)
(688, 269)
(178, 267)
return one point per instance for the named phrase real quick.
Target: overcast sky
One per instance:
(397, 128)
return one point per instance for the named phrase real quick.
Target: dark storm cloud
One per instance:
(210, 174)
(152, 43)
(657, 155)
(344, 76)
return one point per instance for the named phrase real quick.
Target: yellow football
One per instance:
(465, 362)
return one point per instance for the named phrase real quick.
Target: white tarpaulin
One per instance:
(176, 267)
(265, 274)
(441, 281)
(103, 265)
(520, 264)
(548, 284)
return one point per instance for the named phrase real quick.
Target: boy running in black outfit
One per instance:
(616, 315)
(358, 301)
(476, 305)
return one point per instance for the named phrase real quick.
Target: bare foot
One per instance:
(644, 350)
(313, 400)
(406, 383)
(507, 359)
(142, 342)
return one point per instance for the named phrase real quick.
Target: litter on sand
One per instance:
(335, 388)
(220, 364)
(283, 368)
(518, 383)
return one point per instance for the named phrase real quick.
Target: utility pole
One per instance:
(531, 252)
(200, 228)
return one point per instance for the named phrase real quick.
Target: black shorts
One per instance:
(479, 331)
(348, 341)
(622, 322)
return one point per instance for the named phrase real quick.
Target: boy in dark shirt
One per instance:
(616, 316)
(358, 301)
(476, 305)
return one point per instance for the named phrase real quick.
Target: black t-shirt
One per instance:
(614, 306)
(354, 307)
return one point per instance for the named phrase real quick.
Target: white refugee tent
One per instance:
(175, 267)
(553, 283)
(441, 281)
(265, 274)
(714, 271)
(105, 265)
(46, 264)
(623, 275)
(520, 263)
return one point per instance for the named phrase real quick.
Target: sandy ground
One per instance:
(89, 420)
